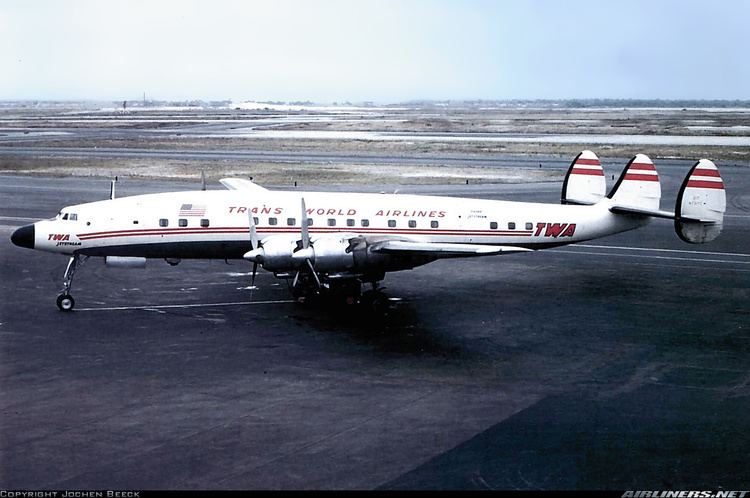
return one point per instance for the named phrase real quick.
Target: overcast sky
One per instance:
(384, 51)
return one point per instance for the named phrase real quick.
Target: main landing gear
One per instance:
(342, 293)
(375, 300)
(65, 301)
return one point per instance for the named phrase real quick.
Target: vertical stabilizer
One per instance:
(638, 186)
(584, 183)
(701, 202)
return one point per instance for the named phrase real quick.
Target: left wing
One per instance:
(442, 249)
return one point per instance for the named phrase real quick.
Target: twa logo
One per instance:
(58, 236)
(555, 230)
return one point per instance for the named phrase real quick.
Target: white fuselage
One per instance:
(214, 224)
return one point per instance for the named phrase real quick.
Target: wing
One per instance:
(241, 184)
(442, 249)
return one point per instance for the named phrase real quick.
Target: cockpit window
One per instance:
(73, 217)
(65, 216)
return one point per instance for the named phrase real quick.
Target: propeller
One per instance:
(256, 253)
(305, 253)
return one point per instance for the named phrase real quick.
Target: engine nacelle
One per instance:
(277, 254)
(125, 262)
(333, 253)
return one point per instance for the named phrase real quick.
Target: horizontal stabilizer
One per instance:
(617, 209)
(584, 183)
(701, 203)
(241, 184)
(443, 250)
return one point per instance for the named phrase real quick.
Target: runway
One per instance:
(622, 363)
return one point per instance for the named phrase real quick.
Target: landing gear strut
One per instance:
(65, 301)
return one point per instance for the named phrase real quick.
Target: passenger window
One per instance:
(529, 226)
(204, 222)
(331, 222)
(391, 223)
(135, 222)
(291, 221)
(511, 226)
(182, 222)
(350, 222)
(365, 223)
(163, 222)
(309, 222)
(493, 225)
(256, 220)
(412, 224)
(434, 224)
(272, 221)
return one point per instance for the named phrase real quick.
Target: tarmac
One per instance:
(622, 363)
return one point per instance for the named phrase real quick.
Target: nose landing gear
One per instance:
(65, 301)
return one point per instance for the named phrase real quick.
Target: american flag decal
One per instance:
(193, 210)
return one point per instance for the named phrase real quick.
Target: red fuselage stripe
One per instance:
(292, 230)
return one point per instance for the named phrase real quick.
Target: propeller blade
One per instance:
(253, 232)
(296, 279)
(315, 275)
(255, 271)
(304, 229)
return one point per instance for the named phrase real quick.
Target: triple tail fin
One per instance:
(584, 183)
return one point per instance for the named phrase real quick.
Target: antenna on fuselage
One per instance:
(112, 188)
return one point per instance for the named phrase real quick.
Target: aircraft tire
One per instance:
(65, 302)
(375, 301)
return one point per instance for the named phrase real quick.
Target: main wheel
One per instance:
(375, 301)
(65, 302)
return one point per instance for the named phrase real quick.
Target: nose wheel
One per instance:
(65, 301)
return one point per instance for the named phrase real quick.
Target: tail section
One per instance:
(701, 202)
(638, 186)
(584, 183)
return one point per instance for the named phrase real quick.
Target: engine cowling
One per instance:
(328, 254)
(276, 254)
(333, 253)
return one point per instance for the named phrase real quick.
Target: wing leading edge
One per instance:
(241, 184)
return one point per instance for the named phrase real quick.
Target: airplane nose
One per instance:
(24, 237)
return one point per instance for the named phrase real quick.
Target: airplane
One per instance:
(335, 243)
